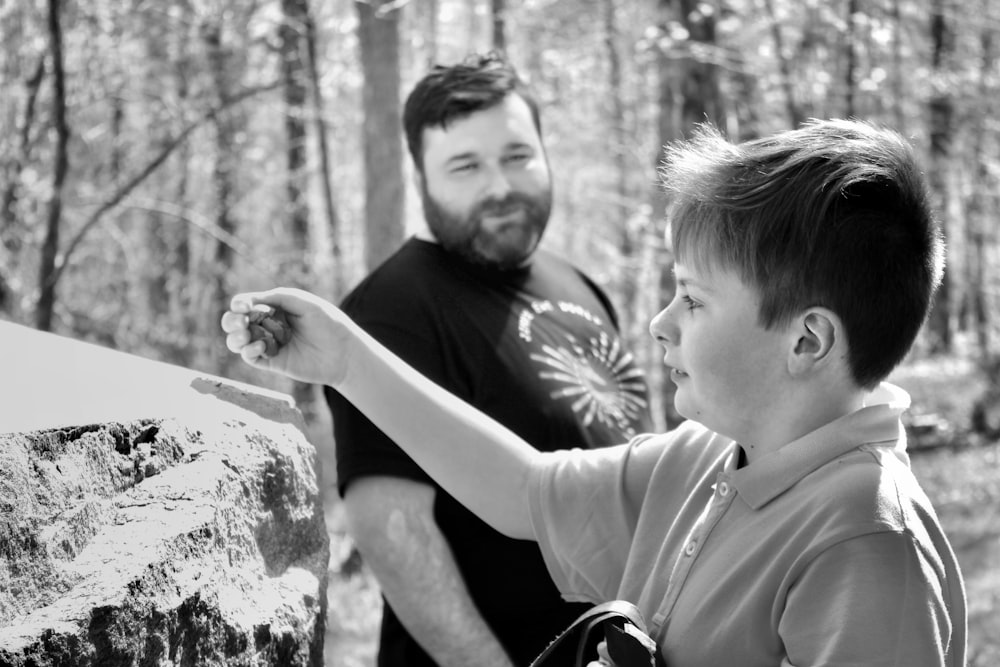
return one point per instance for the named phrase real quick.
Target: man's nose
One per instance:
(497, 184)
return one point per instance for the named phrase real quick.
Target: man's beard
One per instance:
(504, 249)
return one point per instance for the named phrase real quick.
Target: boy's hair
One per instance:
(449, 93)
(834, 214)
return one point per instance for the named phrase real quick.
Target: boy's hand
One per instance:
(288, 331)
(270, 325)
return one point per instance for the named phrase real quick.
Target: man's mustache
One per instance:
(509, 204)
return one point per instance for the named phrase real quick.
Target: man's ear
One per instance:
(819, 334)
(418, 179)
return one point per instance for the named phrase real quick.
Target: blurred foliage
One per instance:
(177, 189)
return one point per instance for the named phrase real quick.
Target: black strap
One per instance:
(579, 641)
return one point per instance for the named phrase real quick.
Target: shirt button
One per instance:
(690, 547)
(723, 489)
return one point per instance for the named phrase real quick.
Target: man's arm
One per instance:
(392, 521)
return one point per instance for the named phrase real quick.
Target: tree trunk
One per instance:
(50, 246)
(11, 232)
(978, 216)
(622, 199)
(378, 36)
(698, 75)
(14, 167)
(150, 304)
(851, 66)
(294, 57)
(499, 20)
(325, 166)
(294, 85)
(180, 285)
(795, 115)
(222, 178)
(431, 7)
(941, 117)
(899, 77)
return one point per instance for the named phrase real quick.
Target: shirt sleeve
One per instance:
(584, 507)
(362, 448)
(873, 600)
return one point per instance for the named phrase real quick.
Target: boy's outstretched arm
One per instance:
(477, 460)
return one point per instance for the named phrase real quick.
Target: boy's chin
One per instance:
(688, 411)
(684, 410)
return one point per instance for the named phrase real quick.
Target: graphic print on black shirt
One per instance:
(596, 375)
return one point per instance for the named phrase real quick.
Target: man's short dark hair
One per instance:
(834, 214)
(450, 93)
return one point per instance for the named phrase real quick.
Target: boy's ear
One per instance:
(818, 331)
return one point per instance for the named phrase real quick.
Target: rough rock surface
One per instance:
(164, 540)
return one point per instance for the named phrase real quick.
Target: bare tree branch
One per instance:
(203, 224)
(119, 195)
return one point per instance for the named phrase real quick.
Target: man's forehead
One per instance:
(503, 126)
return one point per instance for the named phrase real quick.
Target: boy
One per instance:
(780, 525)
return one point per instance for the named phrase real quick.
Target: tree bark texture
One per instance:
(378, 36)
(792, 108)
(50, 246)
(941, 112)
(499, 22)
(295, 87)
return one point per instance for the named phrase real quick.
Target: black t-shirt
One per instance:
(535, 348)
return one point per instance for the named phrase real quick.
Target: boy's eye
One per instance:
(690, 303)
(518, 157)
(464, 167)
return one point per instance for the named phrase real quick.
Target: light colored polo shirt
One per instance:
(825, 552)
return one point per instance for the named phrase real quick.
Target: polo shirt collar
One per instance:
(878, 421)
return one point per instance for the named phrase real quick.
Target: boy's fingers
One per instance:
(237, 340)
(233, 321)
(253, 353)
(242, 303)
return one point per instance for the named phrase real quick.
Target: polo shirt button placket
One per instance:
(690, 548)
(723, 489)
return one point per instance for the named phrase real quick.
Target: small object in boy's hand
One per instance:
(270, 325)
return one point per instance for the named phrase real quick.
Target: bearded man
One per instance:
(471, 302)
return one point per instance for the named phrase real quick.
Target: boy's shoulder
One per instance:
(690, 445)
(688, 433)
(870, 485)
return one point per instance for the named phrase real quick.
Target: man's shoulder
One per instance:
(558, 272)
(405, 278)
(549, 262)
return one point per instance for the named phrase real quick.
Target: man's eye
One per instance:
(464, 168)
(518, 157)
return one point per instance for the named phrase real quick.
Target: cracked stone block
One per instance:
(186, 530)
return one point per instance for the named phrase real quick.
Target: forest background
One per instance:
(156, 157)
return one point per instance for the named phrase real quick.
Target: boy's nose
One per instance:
(663, 329)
